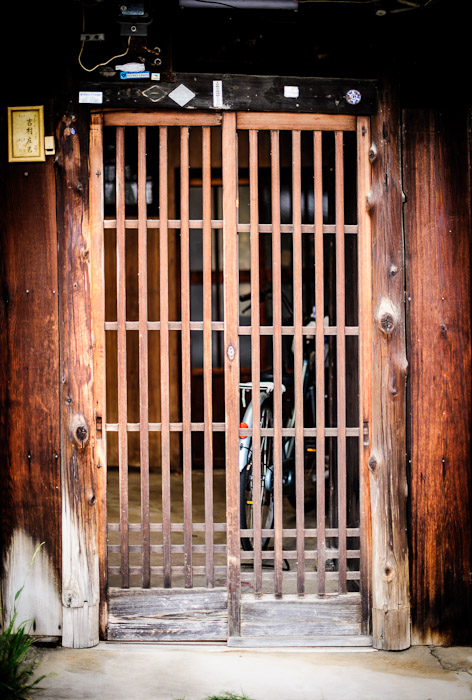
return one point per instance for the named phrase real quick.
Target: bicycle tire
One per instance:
(246, 497)
(309, 486)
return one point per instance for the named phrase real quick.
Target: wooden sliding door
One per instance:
(233, 249)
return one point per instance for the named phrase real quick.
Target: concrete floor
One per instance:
(172, 672)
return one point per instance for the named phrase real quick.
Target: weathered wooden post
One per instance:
(437, 242)
(80, 572)
(387, 462)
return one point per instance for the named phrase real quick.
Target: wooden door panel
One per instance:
(284, 199)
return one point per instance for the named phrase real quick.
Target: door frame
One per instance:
(96, 427)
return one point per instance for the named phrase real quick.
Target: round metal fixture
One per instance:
(353, 97)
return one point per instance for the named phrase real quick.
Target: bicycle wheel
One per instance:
(265, 486)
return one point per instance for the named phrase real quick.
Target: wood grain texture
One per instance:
(186, 354)
(231, 366)
(176, 614)
(255, 350)
(437, 232)
(122, 353)
(365, 360)
(288, 122)
(309, 616)
(164, 352)
(80, 528)
(387, 462)
(341, 359)
(298, 357)
(319, 359)
(207, 353)
(277, 358)
(96, 204)
(29, 394)
(143, 354)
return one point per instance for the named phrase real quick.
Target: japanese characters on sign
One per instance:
(26, 134)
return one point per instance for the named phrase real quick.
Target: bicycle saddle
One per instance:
(267, 375)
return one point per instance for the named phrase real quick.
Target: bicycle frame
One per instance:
(266, 389)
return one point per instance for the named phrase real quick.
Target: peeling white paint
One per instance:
(40, 601)
(80, 579)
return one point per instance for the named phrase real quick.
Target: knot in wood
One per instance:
(372, 464)
(81, 433)
(387, 316)
(389, 573)
(387, 323)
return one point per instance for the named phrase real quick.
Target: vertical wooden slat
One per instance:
(365, 359)
(97, 255)
(186, 358)
(143, 358)
(121, 347)
(341, 358)
(164, 346)
(255, 355)
(207, 356)
(320, 383)
(277, 355)
(231, 311)
(298, 357)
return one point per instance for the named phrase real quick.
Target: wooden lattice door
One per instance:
(199, 211)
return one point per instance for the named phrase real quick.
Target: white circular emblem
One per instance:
(353, 97)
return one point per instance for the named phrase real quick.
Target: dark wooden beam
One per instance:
(387, 462)
(437, 235)
(240, 93)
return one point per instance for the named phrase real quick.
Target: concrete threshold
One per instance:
(144, 671)
(224, 648)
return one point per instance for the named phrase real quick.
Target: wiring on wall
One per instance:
(104, 63)
(89, 70)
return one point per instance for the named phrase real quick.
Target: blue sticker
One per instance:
(353, 97)
(127, 76)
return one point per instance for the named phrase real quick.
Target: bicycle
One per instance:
(266, 486)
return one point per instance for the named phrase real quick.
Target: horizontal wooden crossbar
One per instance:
(219, 326)
(176, 224)
(221, 570)
(221, 527)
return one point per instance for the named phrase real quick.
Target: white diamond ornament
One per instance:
(182, 95)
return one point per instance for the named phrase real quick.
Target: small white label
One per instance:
(130, 67)
(155, 76)
(91, 98)
(291, 91)
(217, 93)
